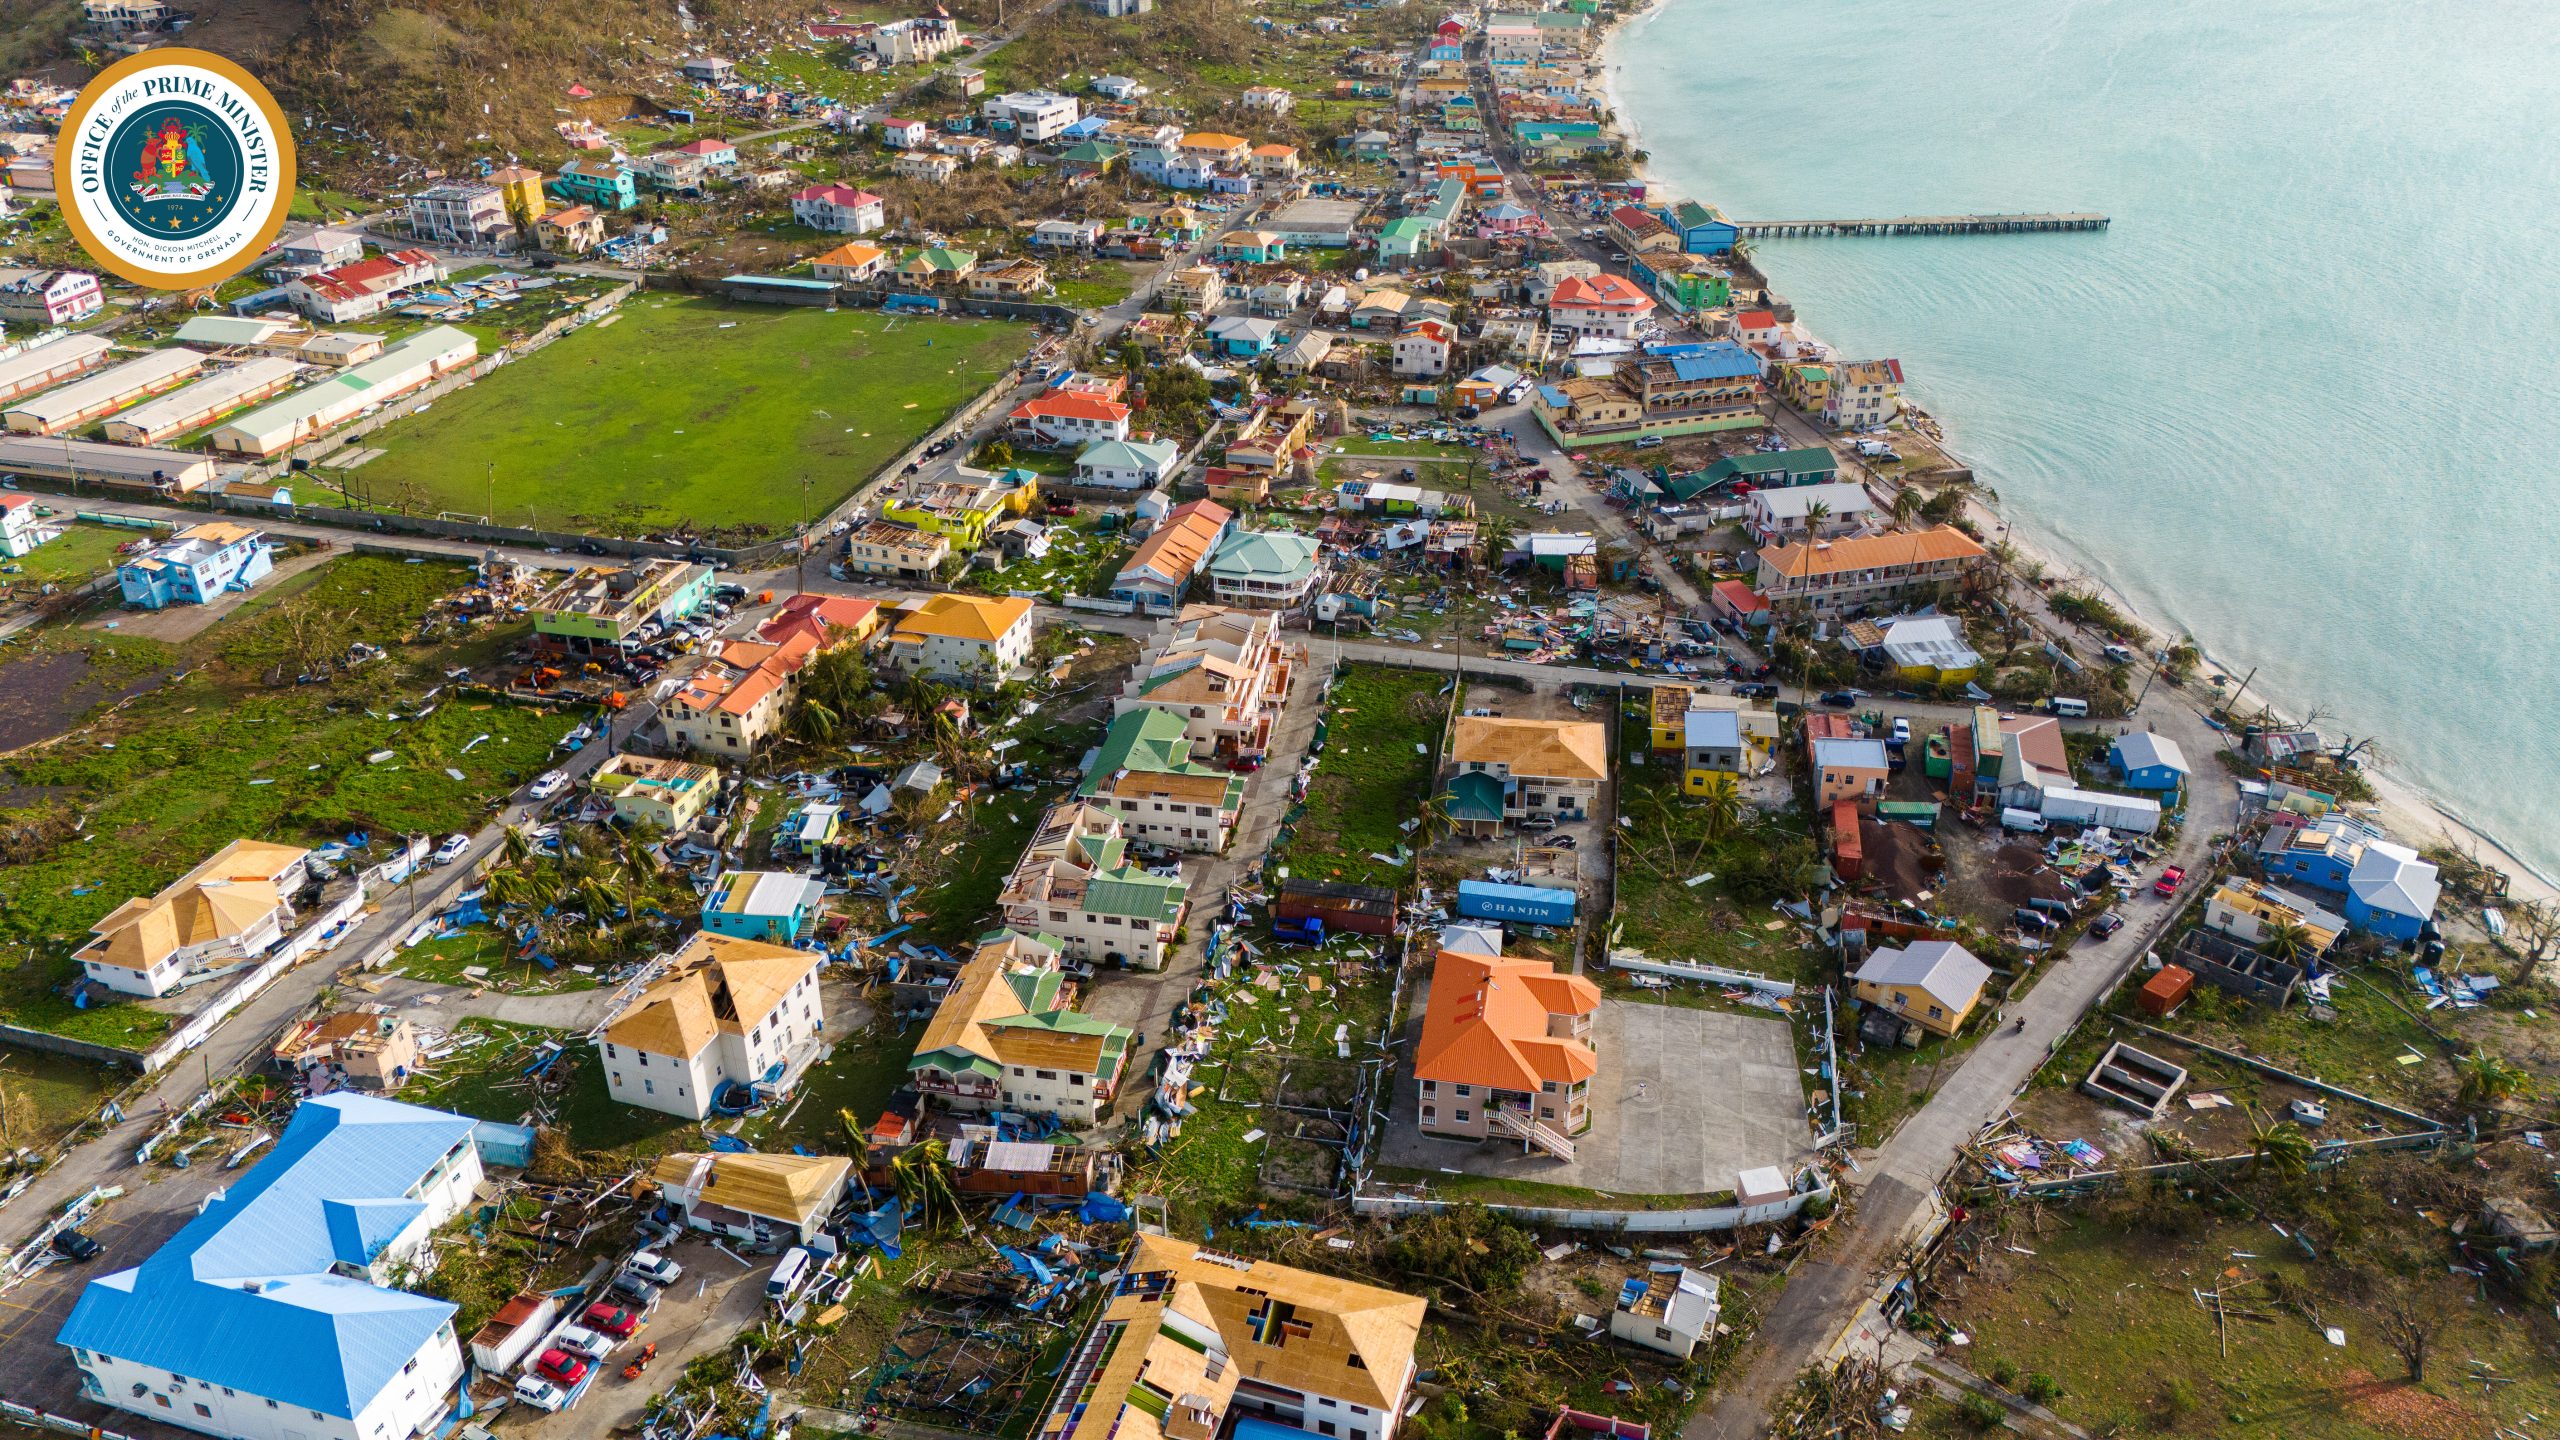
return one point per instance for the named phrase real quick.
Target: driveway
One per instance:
(1686, 1100)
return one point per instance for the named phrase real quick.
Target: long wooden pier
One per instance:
(1923, 225)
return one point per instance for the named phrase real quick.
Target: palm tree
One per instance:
(1906, 503)
(814, 722)
(2489, 1080)
(1494, 537)
(1720, 806)
(1814, 514)
(923, 1176)
(2288, 941)
(2276, 1147)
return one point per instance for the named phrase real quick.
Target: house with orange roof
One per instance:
(1506, 1052)
(236, 906)
(1603, 305)
(1192, 1343)
(1155, 577)
(573, 230)
(852, 263)
(732, 705)
(1226, 152)
(1065, 417)
(722, 1011)
(961, 637)
(1275, 162)
(1505, 769)
(1832, 577)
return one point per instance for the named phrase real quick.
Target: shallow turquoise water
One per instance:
(2302, 401)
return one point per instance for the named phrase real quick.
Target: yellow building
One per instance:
(961, 510)
(670, 794)
(1670, 713)
(521, 186)
(2246, 910)
(1932, 984)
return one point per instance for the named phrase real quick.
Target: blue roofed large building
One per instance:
(270, 1315)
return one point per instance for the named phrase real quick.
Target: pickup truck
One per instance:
(2169, 881)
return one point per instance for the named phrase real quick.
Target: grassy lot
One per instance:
(1357, 445)
(487, 1082)
(2146, 1356)
(1081, 561)
(1726, 920)
(1096, 284)
(1372, 777)
(80, 552)
(220, 753)
(690, 413)
(483, 947)
(65, 1091)
(859, 1077)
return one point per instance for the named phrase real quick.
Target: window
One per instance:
(204, 1409)
(648, 1087)
(1048, 1074)
(1461, 1117)
(1430, 1112)
(161, 1400)
(1464, 1091)
(1661, 1332)
(1430, 1087)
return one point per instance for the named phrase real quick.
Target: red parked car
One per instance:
(560, 1367)
(611, 1320)
(2169, 881)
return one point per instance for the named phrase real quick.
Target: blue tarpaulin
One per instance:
(1101, 1209)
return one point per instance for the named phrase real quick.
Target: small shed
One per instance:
(498, 1346)
(2166, 991)
(1360, 909)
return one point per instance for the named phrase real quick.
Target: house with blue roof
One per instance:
(270, 1315)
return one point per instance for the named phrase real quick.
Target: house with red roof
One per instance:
(839, 209)
(1756, 328)
(741, 698)
(900, 134)
(1506, 1052)
(1603, 305)
(1065, 417)
(367, 287)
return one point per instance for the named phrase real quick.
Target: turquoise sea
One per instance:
(2302, 401)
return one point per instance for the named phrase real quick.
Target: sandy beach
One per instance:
(2408, 812)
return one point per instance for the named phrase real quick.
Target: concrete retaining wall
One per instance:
(1632, 1222)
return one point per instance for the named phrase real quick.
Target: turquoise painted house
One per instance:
(767, 905)
(600, 183)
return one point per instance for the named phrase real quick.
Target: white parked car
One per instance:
(579, 1340)
(452, 848)
(653, 1267)
(548, 784)
(539, 1393)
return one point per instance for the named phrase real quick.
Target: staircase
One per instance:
(1518, 1125)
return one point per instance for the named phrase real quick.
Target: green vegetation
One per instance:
(1755, 859)
(1383, 740)
(487, 1081)
(1499, 1190)
(482, 947)
(233, 747)
(81, 552)
(686, 413)
(2146, 1355)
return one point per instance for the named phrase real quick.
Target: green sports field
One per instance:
(684, 412)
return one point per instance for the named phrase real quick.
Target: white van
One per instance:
(789, 1274)
(2013, 818)
(2070, 705)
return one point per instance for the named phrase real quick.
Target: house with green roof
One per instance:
(1265, 569)
(938, 266)
(1093, 157)
(1703, 231)
(1144, 774)
(1076, 881)
(1000, 1040)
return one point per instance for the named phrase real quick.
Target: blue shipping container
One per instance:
(1531, 904)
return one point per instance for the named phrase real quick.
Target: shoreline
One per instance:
(2404, 807)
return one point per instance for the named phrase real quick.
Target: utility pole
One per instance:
(2232, 706)
(800, 571)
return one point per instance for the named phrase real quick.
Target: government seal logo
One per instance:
(176, 169)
